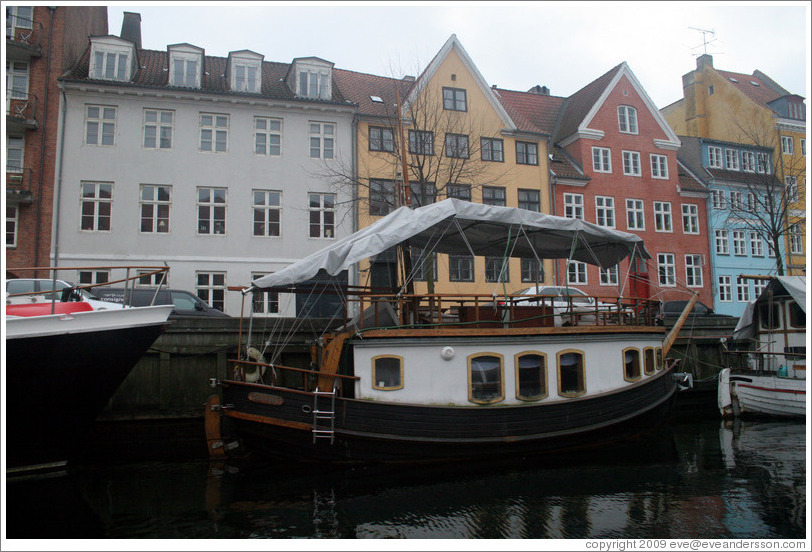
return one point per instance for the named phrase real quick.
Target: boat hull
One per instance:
(62, 370)
(279, 422)
(757, 394)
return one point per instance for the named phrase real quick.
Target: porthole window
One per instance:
(531, 376)
(387, 372)
(631, 364)
(485, 378)
(648, 360)
(571, 377)
(658, 358)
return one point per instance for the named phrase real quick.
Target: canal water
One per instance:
(689, 480)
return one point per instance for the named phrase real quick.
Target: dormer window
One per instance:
(111, 59)
(185, 65)
(244, 71)
(313, 84)
(312, 78)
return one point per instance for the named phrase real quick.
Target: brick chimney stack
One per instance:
(703, 60)
(131, 28)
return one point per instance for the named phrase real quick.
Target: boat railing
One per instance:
(289, 377)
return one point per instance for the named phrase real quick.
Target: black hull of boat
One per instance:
(367, 431)
(57, 385)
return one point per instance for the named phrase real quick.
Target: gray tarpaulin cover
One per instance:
(794, 285)
(459, 227)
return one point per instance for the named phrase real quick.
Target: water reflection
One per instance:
(704, 480)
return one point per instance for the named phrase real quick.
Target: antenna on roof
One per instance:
(705, 41)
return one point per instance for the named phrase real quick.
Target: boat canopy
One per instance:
(795, 286)
(460, 227)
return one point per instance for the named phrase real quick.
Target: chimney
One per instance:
(540, 90)
(131, 28)
(703, 60)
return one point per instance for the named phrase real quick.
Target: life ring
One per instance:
(256, 372)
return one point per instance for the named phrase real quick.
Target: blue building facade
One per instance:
(739, 178)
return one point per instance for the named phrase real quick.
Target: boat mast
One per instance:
(404, 197)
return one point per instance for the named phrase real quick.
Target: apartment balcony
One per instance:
(19, 186)
(21, 111)
(23, 38)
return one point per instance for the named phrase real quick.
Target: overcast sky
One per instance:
(515, 45)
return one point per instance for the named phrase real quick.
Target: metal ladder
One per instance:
(327, 430)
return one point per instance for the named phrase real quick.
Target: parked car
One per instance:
(672, 309)
(186, 303)
(565, 302)
(41, 290)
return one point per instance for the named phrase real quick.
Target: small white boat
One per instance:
(769, 378)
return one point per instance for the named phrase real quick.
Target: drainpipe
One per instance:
(60, 152)
(552, 208)
(43, 143)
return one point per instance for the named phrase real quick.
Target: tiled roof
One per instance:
(688, 182)
(530, 111)
(754, 179)
(761, 92)
(359, 88)
(563, 166)
(578, 105)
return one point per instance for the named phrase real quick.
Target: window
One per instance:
(460, 268)
(762, 162)
(769, 315)
(693, 270)
(314, 84)
(381, 139)
(634, 214)
(100, 125)
(787, 145)
(739, 243)
(155, 204)
(211, 210)
(574, 206)
(87, 277)
(459, 191)
(97, 206)
(267, 136)
(756, 245)
(601, 160)
(659, 166)
(322, 215)
(718, 199)
(527, 153)
(631, 364)
(12, 223)
(736, 200)
(497, 269)
(246, 77)
(571, 377)
(267, 213)
(690, 219)
(493, 195)
(665, 269)
(627, 119)
(748, 161)
(803, 146)
(530, 200)
(110, 65)
(381, 197)
(485, 378)
(19, 17)
(605, 211)
(758, 287)
(796, 240)
(454, 99)
(797, 315)
(732, 159)
(791, 182)
(725, 289)
(742, 290)
(609, 276)
(531, 376)
(649, 362)
(715, 157)
(421, 142)
(213, 132)
(423, 193)
(421, 261)
(576, 273)
(184, 71)
(662, 216)
(387, 372)
(492, 149)
(631, 163)
(16, 80)
(262, 301)
(158, 128)
(151, 279)
(751, 202)
(211, 287)
(720, 238)
(532, 270)
(322, 140)
(456, 146)
(15, 154)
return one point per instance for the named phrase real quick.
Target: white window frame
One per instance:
(213, 132)
(17, 19)
(763, 163)
(101, 205)
(12, 225)
(722, 241)
(803, 146)
(181, 64)
(323, 210)
(267, 300)
(631, 163)
(213, 289)
(718, 199)
(574, 206)
(15, 154)
(601, 159)
(787, 145)
(690, 218)
(627, 119)
(693, 270)
(17, 79)
(635, 215)
(725, 287)
(215, 200)
(666, 270)
(576, 273)
(742, 290)
(609, 276)
(268, 131)
(756, 245)
(267, 204)
(748, 161)
(731, 159)
(796, 240)
(663, 221)
(105, 125)
(758, 287)
(89, 277)
(791, 184)
(313, 83)
(715, 157)
(101, 68)
(737, 200)
(739, 243)
(659, 166)
(152, 202)
(605, 211)
(163, 126)
(321, 137)
(241, 76)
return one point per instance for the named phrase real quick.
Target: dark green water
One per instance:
(689, 480)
